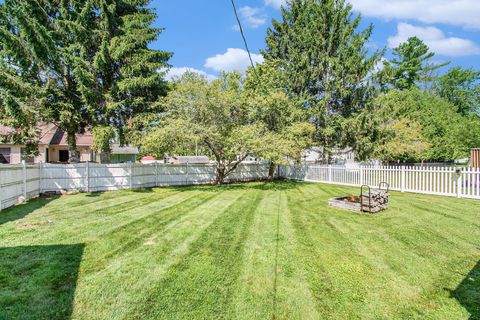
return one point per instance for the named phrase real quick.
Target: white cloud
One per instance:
(464, 13)
(277, 4)
(175, 73)
(233, 59)
(253, 17)
(435, 39)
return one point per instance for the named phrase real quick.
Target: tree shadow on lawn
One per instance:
(38, 282)
(22, 210)
(247, 185)
(468, 292)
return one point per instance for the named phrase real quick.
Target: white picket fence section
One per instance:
(23, 182)
(457, 182)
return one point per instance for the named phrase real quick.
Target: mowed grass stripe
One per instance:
(121, 239)
(80, 227)
(148, 263)
(331, 275)
(200, 285)
(271, 285)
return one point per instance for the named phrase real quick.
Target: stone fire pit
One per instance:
(370, 200)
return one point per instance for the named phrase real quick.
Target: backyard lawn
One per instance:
(246, 251)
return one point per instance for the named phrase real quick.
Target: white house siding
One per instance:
(16, 153)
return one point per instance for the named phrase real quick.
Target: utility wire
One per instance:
(243, 37)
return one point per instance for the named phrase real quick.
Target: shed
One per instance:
(123, 154)
(475, 158)
(189, 159)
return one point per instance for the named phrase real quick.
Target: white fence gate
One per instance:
(458, 182)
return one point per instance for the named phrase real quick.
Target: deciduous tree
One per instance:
(462, 88)
(216, 114)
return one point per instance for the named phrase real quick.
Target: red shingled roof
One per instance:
(52, 135)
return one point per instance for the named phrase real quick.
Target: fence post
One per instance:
(131, 175)
(329, 173)
(87, 182)
(186, 173)
(361, 175)
(40, 178)
(403, 179)
(459, 183)
(156, 173)
(1, 189)
(24, 171)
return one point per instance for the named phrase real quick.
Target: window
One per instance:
(4, 155)
(63, 155)
(27, 158)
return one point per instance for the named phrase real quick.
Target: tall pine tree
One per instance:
(326, 62)
(41, 43)
(77, 64)
(412, 64)
(125, 73)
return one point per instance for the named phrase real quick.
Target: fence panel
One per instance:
(456, 182)
(11, 181)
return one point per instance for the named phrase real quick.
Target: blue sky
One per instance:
(203, 35)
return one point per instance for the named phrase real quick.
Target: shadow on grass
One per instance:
(258, 185)
(38, 282)
(468, 292)
(22, 210)
(95, 194)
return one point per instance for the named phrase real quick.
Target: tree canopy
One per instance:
(461, 87)
(445, 134)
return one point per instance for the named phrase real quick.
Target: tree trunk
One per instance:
(271, 171)
(74, 154)
(220, 175)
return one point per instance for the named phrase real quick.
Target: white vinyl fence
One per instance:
(23, 182)
(457, 182)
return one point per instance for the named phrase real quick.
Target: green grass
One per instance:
(250, 251)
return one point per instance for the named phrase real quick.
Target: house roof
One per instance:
(47, 131)
(83, 139)
(50, 134)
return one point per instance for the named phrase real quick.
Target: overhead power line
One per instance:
(243, 37)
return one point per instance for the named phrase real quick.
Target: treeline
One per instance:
(84, 64)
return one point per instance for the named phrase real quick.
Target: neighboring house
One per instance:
(53, 147)
(339, 156)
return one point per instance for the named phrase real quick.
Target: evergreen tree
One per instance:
(124, 72)
(411, 65)
(77, 64)
(41, 42)
(326, 62)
